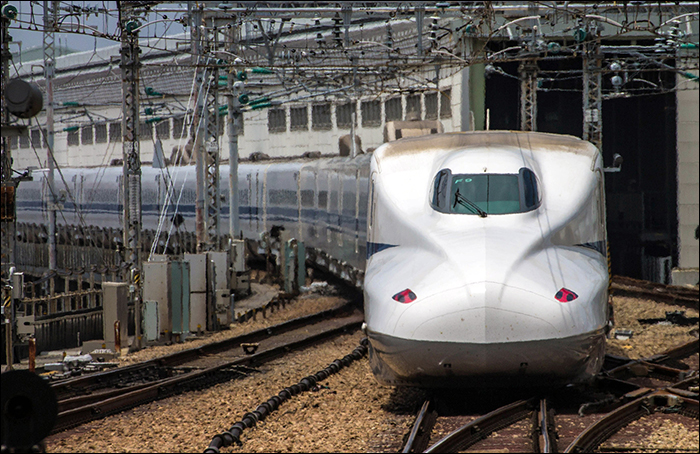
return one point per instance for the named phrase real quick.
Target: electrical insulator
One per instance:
(432, 37)
(389, 36)
(336, 30)
(132, 25)
(9, 12)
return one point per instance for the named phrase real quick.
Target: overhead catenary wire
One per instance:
(171, 186)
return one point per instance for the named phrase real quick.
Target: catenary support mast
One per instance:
(130, 65)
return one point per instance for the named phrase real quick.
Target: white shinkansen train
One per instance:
(484, 253)
(487, 260)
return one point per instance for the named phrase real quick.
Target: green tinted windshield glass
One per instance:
(495, 193)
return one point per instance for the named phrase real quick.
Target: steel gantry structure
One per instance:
(204, 36)
(131, 187)
(592, 88)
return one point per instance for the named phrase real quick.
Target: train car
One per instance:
(322, 202)
(487, 260)
(484, 253)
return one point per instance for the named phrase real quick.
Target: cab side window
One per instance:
(531, 197)
(441, 191)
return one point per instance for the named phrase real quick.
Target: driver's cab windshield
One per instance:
(485, 193)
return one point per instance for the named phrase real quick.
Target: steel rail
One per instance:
(85, 383)
(647, 369)
(419, 436)
(625, 286)
(679, 351)
(547, 436)
(656, 286)
(601, 430)
(202, 378)
(482, 427)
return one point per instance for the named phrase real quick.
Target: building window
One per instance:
(431, 106)
(446, 103)
(321, 116)
(179, 130)
(413, 110)
(74, 137)
(277, 120)
(145, 131)
(371, 113)
(344, 114)
(101, 133)
(393, 110)
(115, 131)
(36, 138)
(86, 135)
(13, 142)
(163, 129)
(298, 119)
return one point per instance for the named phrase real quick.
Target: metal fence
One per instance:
(67, 303)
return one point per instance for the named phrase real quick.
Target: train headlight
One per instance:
(405, 296)
(565, 295)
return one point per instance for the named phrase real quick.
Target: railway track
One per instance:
(671, 294)
(95, 396)
(567, 420)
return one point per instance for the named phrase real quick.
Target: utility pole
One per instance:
(50, 19)
(234, 122)
(8, 186)
(592, 88)
(208, 208)
(129, 66)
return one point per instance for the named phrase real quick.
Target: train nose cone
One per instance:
(479, 312)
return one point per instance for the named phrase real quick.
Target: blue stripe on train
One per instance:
(596, 246)
(373, 248)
